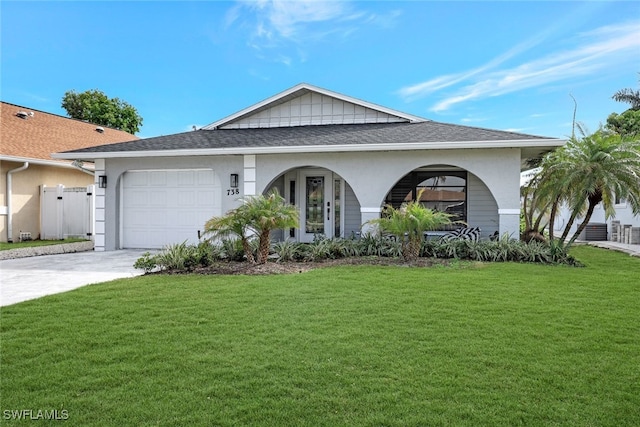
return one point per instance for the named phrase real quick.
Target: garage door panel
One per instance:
(138, 218)
(158, 178)
(186, 179)
(158, 219)
(208, 199)
(167, 207)
(136, 198)
(139, 179)
(187, 198)
(157, 198)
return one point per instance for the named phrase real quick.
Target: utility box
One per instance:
(594, 231)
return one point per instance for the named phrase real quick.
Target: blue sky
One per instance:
(507, 65)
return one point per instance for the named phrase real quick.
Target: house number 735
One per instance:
(233, 191)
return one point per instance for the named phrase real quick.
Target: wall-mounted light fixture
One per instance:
(234, 180)
(102, 181)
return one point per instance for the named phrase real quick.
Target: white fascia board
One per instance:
(42, 162)
(317, 149)
(275, 98)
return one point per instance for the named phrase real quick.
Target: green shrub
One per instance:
(183, 257)
(147, 262)
(379, 245)
(288, 250)
(179, 256)
(232, 249)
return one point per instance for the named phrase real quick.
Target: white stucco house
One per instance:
(339, 159)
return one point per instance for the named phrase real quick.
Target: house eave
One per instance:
(63, 163)
(338, 148)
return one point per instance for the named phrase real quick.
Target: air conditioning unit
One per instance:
(594, 231)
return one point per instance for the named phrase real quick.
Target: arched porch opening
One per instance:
(449, 189)
(327, 204)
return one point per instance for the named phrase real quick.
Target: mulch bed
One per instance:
(273, 267)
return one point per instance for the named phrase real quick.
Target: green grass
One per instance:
(468, 345)
(4, 246)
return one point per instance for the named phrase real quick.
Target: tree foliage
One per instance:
(409, 223)
(257, 215)
(628, 96)
(627, 123)
(95, 107)
(587, 171)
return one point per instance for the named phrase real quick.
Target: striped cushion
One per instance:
(469, 233)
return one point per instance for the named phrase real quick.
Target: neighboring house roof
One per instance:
(307, 119)
(32, 135)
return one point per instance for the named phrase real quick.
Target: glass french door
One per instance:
(319, 199)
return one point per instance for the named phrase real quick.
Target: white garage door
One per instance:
(163, 207)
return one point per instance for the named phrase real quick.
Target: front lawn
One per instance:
(469, 344)
(4, 246)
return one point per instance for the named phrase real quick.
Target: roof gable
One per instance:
(36, 134)
(305, 105)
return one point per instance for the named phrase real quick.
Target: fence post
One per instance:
(59, 211)
(91, 214)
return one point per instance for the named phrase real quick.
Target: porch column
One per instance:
(100, 216)
(249, 175)
(367, 214)
(509, 222)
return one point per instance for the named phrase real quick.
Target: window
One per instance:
(444, 191)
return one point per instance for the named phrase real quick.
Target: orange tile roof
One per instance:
(40, 134)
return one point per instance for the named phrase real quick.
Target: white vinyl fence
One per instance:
(66, 212)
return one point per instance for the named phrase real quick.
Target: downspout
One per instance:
(9, 191)
(78, 164)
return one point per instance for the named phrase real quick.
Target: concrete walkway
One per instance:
(633, 250)
(24, 279)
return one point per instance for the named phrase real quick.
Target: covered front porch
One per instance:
(337, 200)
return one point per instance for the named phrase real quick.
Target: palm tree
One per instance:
(409, 223)
(629, 96)
(601, 167)
(591, 170)
(234, 224)
(627, 122)
(268, 213)
(257, 215)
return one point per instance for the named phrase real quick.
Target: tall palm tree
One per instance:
(409, 223)
(266, 213)
(591, 170)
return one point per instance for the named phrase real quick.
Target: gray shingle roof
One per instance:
(320, 135)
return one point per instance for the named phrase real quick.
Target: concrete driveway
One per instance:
(24, 279)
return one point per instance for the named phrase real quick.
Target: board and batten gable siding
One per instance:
(312, 109)
(482, 210)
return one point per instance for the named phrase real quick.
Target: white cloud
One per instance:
(472, 119)
(595, 51)
(277, 23)
(425, 88)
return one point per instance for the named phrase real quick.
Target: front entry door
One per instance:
(317, 210)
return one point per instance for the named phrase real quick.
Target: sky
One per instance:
(508, 65)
